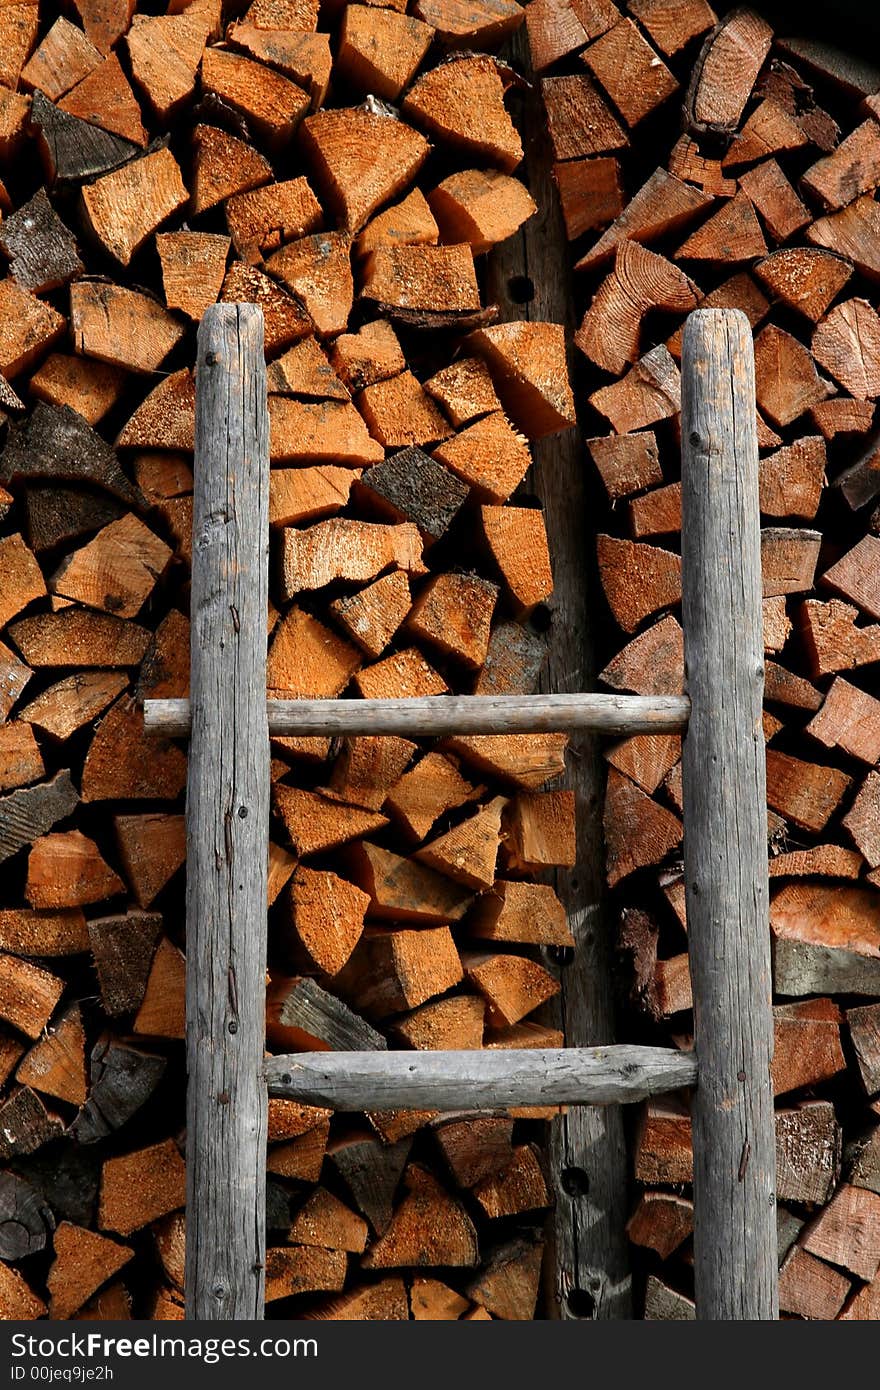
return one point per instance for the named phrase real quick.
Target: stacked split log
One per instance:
(348, 170)
(708, 162)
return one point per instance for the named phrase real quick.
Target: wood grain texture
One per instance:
(725, 839)
(618, 715)
(228, 823)
(488, 1080)
(587, 1160)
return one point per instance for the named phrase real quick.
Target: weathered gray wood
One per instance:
(617, 715)
(30, 812)
(725, 842)
(26, 1220)
(801, 968)
(321, 1015)
(228, 823)
(481, 1080)
(529, 277)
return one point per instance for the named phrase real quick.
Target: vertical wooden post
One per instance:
(725, 818)
(228, 823)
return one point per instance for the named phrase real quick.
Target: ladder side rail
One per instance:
(227, 814)
(619, 716)
(725, 819)
(453, 1081)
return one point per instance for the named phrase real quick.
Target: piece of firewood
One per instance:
(453, 615)
(399, 412)
(810, 1288)
(83, 1262)
(301, 1158)
(661, 1222)
(739, 292)
(380, 50)
(579, 122)
(627, 463)
(769, 130)
(271, 105)
(305, 370)
(370, 355)
(28, 995)
(849, 719)
(446, 1024)
(461, 103)
(851, 169)
(826, 915)
(864, 1031)
(261, 220)
(407, 223)
(788, 560)
(307, 660)
(28, 327)
(807, 1048)
(656, 513)
(431, 788)
(122, 327)
(303, 56)
(122, 208)
(725, 73)
(804, 278)
(862, 820)
(402, 890)
(475, 1147)
(732, 235)
(688, 162)
(831, 860)
(316, 823)
(23, 580)
(525, 760)
(481, 207)
(517, 540)
(105, 99)
(72, 149)
(122, 1079)
(650, 391)
(412, 486)
(30, 812)
(326, 1222)
(528, 368)
(223, 166)
(193, 269)
(319, 432)
(637, 579)
(590, 193)
(540, 831)
(489, 455)
(769, 191)
(124, 761)
(783, 687)
(371, 1172)
(508, 1285)
(62, 59)
(428, 1228)
(161, 1014)
(520, 912)
(165, 53)
(56, 1065)
(520, 1188)
(317, 270)
(372, 615)
(366, 768)
(41, 250)
(90, 388)
(847, 344)
(152, 848)
(791, 479)
(483, 24)
(79, 636)
(302, 1015)
(297, 1269)
(853, 233)
(431, 1301)
(804, 793)
(647, 759)
(67, 870)
(384, 1301)
(21, 761)
(856, 576)
(327, 914)
(166, 418)
(393, 970)
(513, 986)
(638, 831)
(860, 482)
(513, 662)
(361, 159)
(672, 24)
(343, 548)
(54, 443)
(630, 71)
(422, 285)
(122, 948)
(640, 283)
(402, 674)
(468, 853)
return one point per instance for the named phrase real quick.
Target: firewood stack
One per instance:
(710, 163)
(348, 171)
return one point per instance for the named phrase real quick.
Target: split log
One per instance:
(223, 167)
(590, 193)
(122, 208)
(637, 579)
(428, 1228)
(770, 193)
(83, 1262)
(513, 986)
(391, 970)
(661, 207)
(725, 73)
(579, 122)
(371, 1172)
(67, 870)
(271, 105)
(864, 1031)
(361, 159)
(489, 456)
(307, 659)
(461, 103)
(402, 890)
(849, 719)
(122, 1079)
(661, 1222)
(804, 278)
(30, 812)
(650, 391)
(346, 549)
(630, 71)
(856, 577)
(161, 1014)
(302, 1015)
(640, 283)
(810, 1288)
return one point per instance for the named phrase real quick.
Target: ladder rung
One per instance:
(483, 1080)
(436, 716)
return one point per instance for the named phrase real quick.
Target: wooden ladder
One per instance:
(228, 720)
